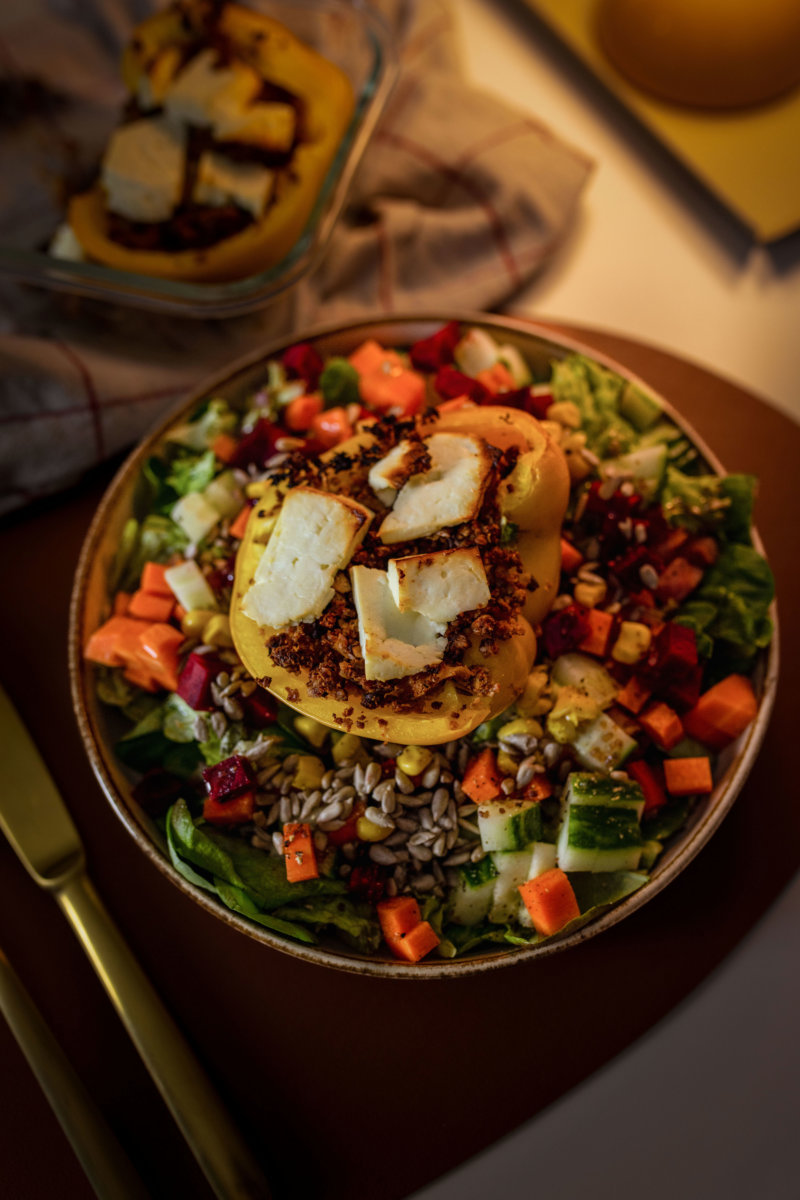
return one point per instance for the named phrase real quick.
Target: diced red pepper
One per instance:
(537, 401)
(229, 777)
(655, 796)
(261, 708)
(564, 629)
(257, 446)
(349, 831)
(450, 382)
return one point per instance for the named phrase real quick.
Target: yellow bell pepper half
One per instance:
(536, 502)
(327, 103)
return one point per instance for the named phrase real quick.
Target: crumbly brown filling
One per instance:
(329, 647)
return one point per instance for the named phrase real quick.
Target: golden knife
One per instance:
(36, 822)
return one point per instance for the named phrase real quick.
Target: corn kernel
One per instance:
(194, 622)
(413, 760)
(218, 631)
(369, 831)
(589, 594)
(633, 642)
(520, 725)
(312, 731)
(308, 772)
(348, 747)
(506, 762)
(566, 412)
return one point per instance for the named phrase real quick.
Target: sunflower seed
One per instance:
(439, 803)
(379, 817)
(403, 783)
(424, 882)
(457, 858)
(268, 772)
(389, 801)
(425, 818)
(423, 837)
(277, 841)
(330, 812)
(477, 854)
(430, 777)
(391, 887)
(507, 786)
(309, 804)
(372, 776)
(330, 826)
(407, 824)
(440, 845)
(233, 708)
(648, 576)
(285, 809)
(525, 772)
(358, 779)
(382, 855)
(421, 853)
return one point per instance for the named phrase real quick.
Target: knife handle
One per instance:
(107, 1167)
(205, 1124)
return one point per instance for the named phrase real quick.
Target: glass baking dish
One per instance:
(353, 36)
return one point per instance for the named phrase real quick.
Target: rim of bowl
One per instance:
(401, 329)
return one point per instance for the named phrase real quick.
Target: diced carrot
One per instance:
(456, 403)
(497, 378)
(331, 426)
(150, 607)
(300, 412)
(550, 901)
(722, 713)
(652, 789)
(224, 447)
(663, 725)
(688, 776)
(634, 695)
(121, 603)
(482, 778)
(141, 678)
(399, 389)
(299, 853)
(703, 551)
(599, 625)
(571, 557)
(236, 811)
(678, 579)
(116, 642)
(398, 915)
(415, 944)
(371, 355)
(159, 645)
(239, 523)
(153, 580)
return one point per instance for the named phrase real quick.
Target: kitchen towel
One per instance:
(458, 202)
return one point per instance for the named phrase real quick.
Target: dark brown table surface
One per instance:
(348, 1086)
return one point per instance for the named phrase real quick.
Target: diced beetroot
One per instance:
(437, 350)
(221, 576)
(702, 551)
(655, 796)
(684, 693)
(563, 630)
(538, 402)
(517, 398)
(628, 566)
(157, 790)
(229, 777)
(261, 708)
(672, 656)
(368, 882)
(450, 382)
(669, 546)
(257, 446)
(194, 681)
(304, 362)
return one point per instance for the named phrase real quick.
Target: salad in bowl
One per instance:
(424, 645)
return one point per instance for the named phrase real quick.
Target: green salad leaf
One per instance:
(191, 472)
(722, 505)
(729, 612)
(339, 383)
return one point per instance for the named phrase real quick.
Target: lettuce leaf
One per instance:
(729, 612)
(722, 505)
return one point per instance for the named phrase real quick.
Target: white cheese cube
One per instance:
(390, 472)
(65, 245)
(393, 644)
(221, 181)
(142, 170)
(195, 515)
(439, 585)
(448, 494)
(203, 90)
(270, 126)
(315, 536)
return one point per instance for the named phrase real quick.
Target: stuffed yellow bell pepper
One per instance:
(233, 125)
(406, 576)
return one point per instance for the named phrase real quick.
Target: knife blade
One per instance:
(41, 831)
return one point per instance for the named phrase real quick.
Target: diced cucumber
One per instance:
(512, 870)
(645, 468)
(587, 675)
(637, 407)
(513, 361)
(224, 494)
(600, 829)
(477, 351)
(189, 586)
(473, 893)
(650, 852)
(602, 744)
(195, 516)
(688, 748)
(543, 859)
(509, 824)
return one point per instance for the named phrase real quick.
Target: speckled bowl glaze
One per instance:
(90, 604)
